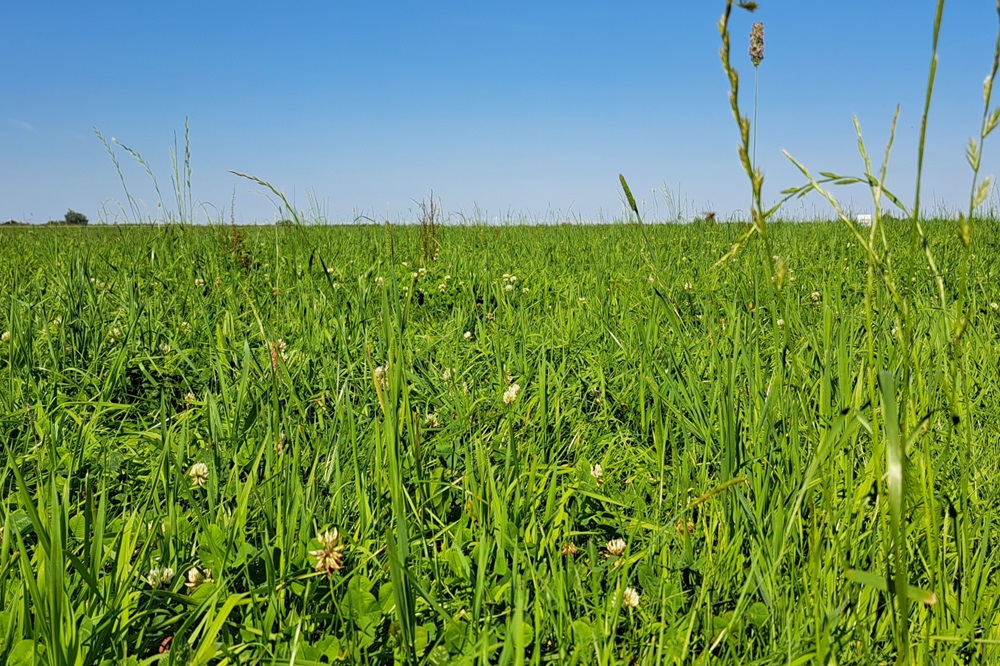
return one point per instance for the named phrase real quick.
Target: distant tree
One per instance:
(73, 217)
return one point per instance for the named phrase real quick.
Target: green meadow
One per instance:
(499, 445)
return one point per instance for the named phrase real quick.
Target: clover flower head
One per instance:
(158, 577)
(198, 474)
(330, 555)
(196, 579)
(616, 547)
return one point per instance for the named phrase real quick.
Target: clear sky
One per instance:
(523, 109)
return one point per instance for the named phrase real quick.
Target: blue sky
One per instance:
(514, 109)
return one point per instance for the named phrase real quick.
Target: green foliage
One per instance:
(73, 217)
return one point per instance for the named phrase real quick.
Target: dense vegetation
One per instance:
(506, 445)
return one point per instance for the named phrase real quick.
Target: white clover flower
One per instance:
(198, 474)
(581, 300)
(196, 579)
(510, 395)
(185, 327)
(442, 287)
(525, 290)
(688, 287)
(158, 577)
(165, 349)
(616, 547)
(509, 287)
(468, 335)
(5, 336)
(199, 282)
(431, 421)
(781, 323)
(630, 598)
(330, 555)
(815, 296)
(993, 306)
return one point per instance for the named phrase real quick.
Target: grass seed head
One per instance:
(382, 375)
(757, 43)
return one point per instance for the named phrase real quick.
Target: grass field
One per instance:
(517, 445)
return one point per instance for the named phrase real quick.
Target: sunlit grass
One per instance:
(303, 436)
